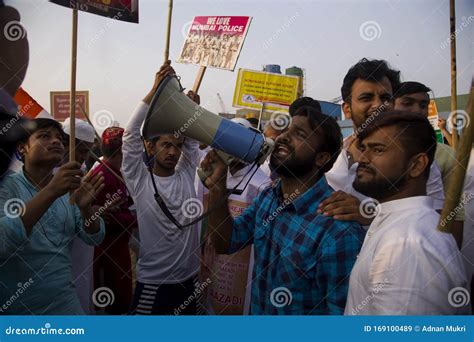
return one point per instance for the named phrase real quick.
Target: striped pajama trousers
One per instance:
(168, 299)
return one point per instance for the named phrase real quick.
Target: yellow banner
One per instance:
(256, 87)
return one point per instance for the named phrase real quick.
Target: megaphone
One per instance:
(172, 112)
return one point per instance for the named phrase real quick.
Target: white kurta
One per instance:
(406, 266)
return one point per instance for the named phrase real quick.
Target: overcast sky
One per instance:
(117, 60)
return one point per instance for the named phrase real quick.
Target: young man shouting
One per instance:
(302, 259)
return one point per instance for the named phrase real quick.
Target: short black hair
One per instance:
(304, 101)
(369, 70)
(253, 121)
(327, 127)
(410, 87)
(415, 132)
(43, 123)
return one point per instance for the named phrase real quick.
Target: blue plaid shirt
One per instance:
(302, 259)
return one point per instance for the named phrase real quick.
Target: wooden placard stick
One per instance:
(72, 98)
(168, 30)
(199, 77)
(456, 181)
(454, 97)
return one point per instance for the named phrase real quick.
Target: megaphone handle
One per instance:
(227, 158)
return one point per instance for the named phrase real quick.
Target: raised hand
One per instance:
(164, 71)
(213, 163)
(67, 178)
(85, 195)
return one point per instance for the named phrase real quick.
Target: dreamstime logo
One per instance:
(102, 297)
(461, 121)
(22, 287)
(371, 296)
(108, 202)
(14, 208)
(280, 120)
(464, 200)
(103, 119)
(465, 22)
(197, 113)
(278, 210)
(14, 31)
(196, 295)
(458, 297)
(192, 208)
(281, 297)
(186, 28)
(370, 30)
(380, 109)
(280, 31)
(99, 33)
(369, 208)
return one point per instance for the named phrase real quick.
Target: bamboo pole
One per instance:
(456, 181)
(199, 77)
(168, 30)
(454, 98)
(72, 98)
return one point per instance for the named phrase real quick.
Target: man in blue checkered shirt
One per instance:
(302, 259)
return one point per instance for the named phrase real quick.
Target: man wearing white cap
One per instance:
(82, 254)
(85, 136)
(222, 297)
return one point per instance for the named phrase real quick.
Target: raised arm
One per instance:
(133, 169)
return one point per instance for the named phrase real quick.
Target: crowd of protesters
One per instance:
(338, 226)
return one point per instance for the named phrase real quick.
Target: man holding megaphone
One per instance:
(168, 262)
(302, 259)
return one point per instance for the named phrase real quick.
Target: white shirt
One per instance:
(167, 255)
(406, 266)
(341, 177)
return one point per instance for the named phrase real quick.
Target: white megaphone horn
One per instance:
(172, 112)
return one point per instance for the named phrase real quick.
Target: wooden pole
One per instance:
(200, 75)
(168, 30)
(456, 181)
(260, 116)
(72, 99)
(454, 99)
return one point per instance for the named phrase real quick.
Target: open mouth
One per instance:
(282, 151)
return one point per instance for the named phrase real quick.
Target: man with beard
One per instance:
(406, 266)
(302, 259)
(367, 92)
(414, 97)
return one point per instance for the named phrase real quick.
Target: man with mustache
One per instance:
(168, 263)
(302, 259)
(406, 266)
(414, 97)
(367, 91)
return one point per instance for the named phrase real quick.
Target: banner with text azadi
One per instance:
(215, 41)
(125, 10)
